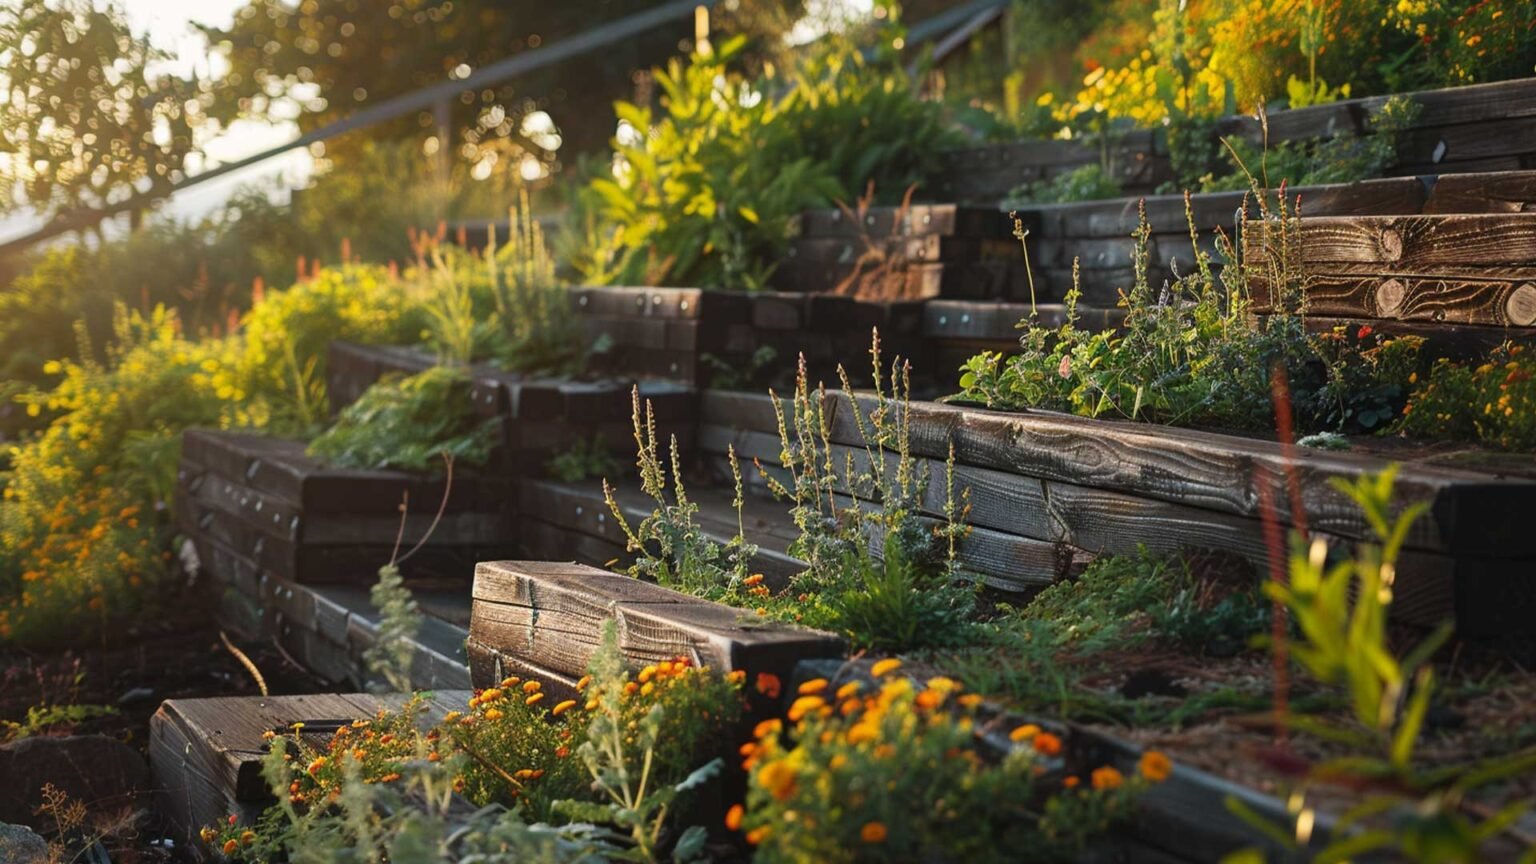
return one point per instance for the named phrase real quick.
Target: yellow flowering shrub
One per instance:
(85, 518)
(895, 772)
(1202, 58)
(280, 375)
(85, 522)
(1493, 402)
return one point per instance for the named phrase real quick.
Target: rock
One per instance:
(106, 775)
(135, 696)
(20, 845)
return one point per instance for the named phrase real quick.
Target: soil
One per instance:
(175, 654)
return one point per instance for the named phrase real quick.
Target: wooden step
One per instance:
(546, 618)
(206, 753)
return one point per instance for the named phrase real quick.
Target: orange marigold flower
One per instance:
(532, 686)
(585, 680)
(510, 681)
(534, 699)
(885, 667)
(768, 684)
(970, 700)
(815, 685)
(765, 727)
(631, 688)
(1024, 733)
(1155, 766)
(562, 751)
(562, 707)
(208, 834)
(1047, 744)
(757, 835)
(529, 774)
(733, 817)
(313, 767)
(1106, 778)
(873, 832)
(647, 674)
(230, 846)
(1071, 782)
(753, 579)
(848, 689)
(493, 714)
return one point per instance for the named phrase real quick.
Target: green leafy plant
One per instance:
(411, 424)
(708, 192)
(633, 758)
(42, 718)
(1309, 162)
(1091, 182)
(1340, 611)
(674, 550)
(1193, 354)
(585, 459)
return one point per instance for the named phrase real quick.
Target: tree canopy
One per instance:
(83, 121)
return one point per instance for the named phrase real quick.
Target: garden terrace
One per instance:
(1458, 130)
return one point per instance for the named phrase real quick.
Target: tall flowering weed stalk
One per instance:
(895, 771)
(673, 549)
(878, 571)
(1194, 353)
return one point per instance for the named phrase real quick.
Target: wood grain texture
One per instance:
(205, 754)
(1498, 192)
(1411, 243)
(551, 616)
(1211, 471)
(1496, 302)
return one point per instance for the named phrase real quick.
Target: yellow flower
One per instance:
(815, 685)
(534, 699)
(885, 667)
(778, 778)
(493, 714)
(563, 707)
(804, 705)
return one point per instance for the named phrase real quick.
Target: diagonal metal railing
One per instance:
(966, 16)
(389, 109)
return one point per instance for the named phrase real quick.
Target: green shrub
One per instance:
(1091, 182)
(708, 192)
(1194, 355)
(411, 424)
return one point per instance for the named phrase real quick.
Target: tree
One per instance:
(83, 122)
(329, 58)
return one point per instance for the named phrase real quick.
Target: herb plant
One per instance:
(1193, 354)
(410, 424)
